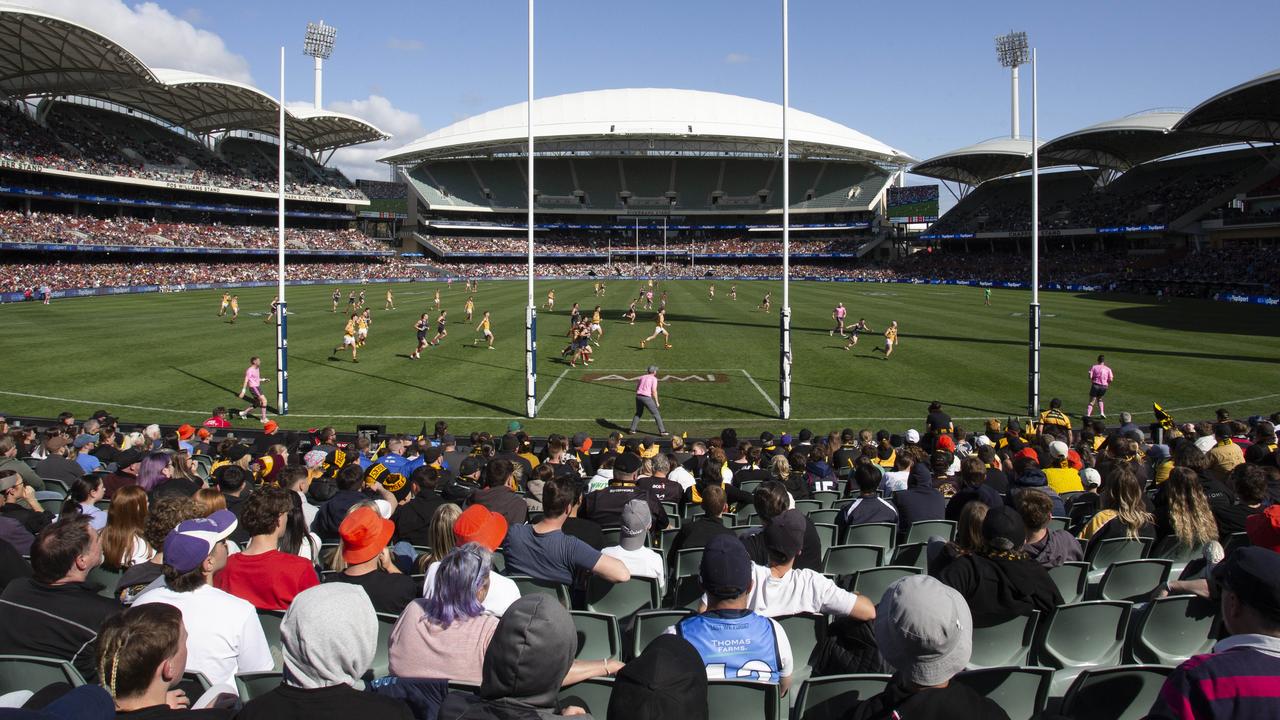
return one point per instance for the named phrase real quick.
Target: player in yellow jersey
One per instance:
(468, 308)
(436, 300)
(391, 301)
(890, 339)
(483, 329)
(550, 304)
(733, 292)
(235, 308)
(226, 300)
(363, 321)
(348, 339)
(596, 328)
(660, 328)
(711, 291)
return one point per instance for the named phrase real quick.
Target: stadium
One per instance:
(371, 497)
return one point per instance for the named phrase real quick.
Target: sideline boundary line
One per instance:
(767, 399)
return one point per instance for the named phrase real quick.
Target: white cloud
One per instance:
(405, 45)
(159, 38)
(736, 58)
(361, 161)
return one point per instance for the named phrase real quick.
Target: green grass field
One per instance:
(168, 358)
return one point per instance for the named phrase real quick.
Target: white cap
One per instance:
(913, 436)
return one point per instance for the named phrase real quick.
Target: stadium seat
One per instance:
(875, 581)
(741, 530)
(56, 484)
(498, 561)
(828, 498)
(612, 536)
(739, 699)
(1237, 540)
(808, 506)
(1006, 644)
(672, 510)
(685, 593)
(882, 534)
(827, 515)
(912, 554)
(1118, 693)
(1070, 577)
(1101, 553)
(688, 562)
(50, 496)
(923, 530)
(195, 684)
(25, 672)
(1081, 636)
(1170, 549)
(381, 652)
(849, 559)
(108, 579)
(832, 697)
(805, 631)
(1171, 630)
(270, 621)
(1059, 523)
(1133, 580)
(665, 539)
(1022, 692)
(828, 534)
(622, 600)
(528, 586)
(252, 685)
(593, 692)
(649, 624)
(598, 636)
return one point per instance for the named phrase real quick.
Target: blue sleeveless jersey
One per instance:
(734, 645)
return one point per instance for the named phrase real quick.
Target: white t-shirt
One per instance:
(224, 637)
(641, 562)
(799, 591)
(894, 481)
(502, 590)
(140, 552)
(308, 510)
(682, 476)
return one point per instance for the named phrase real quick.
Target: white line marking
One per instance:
(767, 399)
(550, 390)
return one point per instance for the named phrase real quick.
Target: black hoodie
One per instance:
(667, 680)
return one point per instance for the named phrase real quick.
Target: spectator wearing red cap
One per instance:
(185, 433)
(218, 419)
(261, 573)
(365, 535)
(478, 524)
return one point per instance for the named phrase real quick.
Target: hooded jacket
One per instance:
(1054, 549)
(1033, 478)
(667, 680)
(528, 657)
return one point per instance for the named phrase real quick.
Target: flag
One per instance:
(1164, 418)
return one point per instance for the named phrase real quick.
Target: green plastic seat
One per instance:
(1133, 580)
(1171, 549)
(26, 672)
(826, 515)
(1004, 645)
(1058, 522)
(381, 652)
(688, 562)
(805, 631)
(686, 593)
(649, 624)
(593, 692)
(1102, 553)
(741, 699)
(270, 621)
(1022, 692)
(916, 554)
(1118, 693)
(194, 684)
(612, 536)
(832, 697)
(828, 498)
(1172, 630)
(882, 534)
(1071, 578)
(252, 685)
(598, 636)
(529, 586)
(665, 539)
(808, 506)
(108, 579)
(741, 530)
(849, 559)
(622, 600)
(1082, 636)
(924, 529)
(828, 535)
(875, 581)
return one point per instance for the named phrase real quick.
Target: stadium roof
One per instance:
(1121, 144)
(976, 164)
(43, 55)
(1248, 111)
(649, 113)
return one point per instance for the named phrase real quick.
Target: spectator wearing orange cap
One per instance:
(478, 524)
(365, 535)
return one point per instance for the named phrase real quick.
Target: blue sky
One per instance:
(920, 76)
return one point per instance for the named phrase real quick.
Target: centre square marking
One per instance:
(689, 376)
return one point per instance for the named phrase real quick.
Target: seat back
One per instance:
(24, 672)
(108, 579)
(688, 562)
(1020, 691)
(612, 536)
(875, 581)
(834, 696)
(916, 554)
(808, 506)
(1083, 635)
(1058, 522)
(1006, 644)
(649, 624)
(252, 685)
(828, 535)
(686, 593)
(805, 631)
(1118, 693)
(1172, 630)
(529, 586)
(593, 692)
(849, 559)
(881, 534)
(739, 699)
(270, 621)
(1133, 580)
(826, 515)
(828, 498)
(924, 529)
(1101, 553)
(381, 652)
(598, 636)
(622, 600)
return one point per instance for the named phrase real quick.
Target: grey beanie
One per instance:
(924, 630)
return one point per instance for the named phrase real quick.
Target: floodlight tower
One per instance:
(318, 43)
(1012, 51)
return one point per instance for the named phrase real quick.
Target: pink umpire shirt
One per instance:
(646, 385)
(1100, 375)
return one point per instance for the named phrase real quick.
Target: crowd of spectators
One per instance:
(229, 530)
(570, 244)
(72, 142)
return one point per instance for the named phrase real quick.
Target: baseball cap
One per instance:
(479, 524)
(270, 426)
(805, 435)
(86, 439)
(514, 426)
(133, 456)
(1028, 453)
(447, 439)
(314, 460)
(786, 439)
(1058, 450)
(188, 544)
(924, 629)
(1090, 477)
(1003, 529)
(626, 463)
(1253, 574)
(364, 534)
(766, 438)
(946, 443)
(913, 436)
(982, 440)
(725, 571)
(57, 442)
(471, 464)
(1262, 528)
(785, 533)
(636, 520)
(185, 432)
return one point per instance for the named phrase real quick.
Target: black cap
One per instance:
(579, 438)
(447, 439)
(766, 438)
(1003, 529)
(626, 463)
(1253, 574)
(125, 458)
(471, 464)
(726, 567)
(805, 435)
(785, 533)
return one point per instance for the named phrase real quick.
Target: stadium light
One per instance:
(318, 43)
(1012, 50)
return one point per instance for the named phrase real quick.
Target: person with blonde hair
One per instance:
(1124, 512)
(442, 537)
(1182, 511)
(210, 501)
(122, 543)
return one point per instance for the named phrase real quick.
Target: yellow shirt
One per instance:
(1063, 479)
(484, 324)
(1055, 417)
(350, 328)
(595, 317)
(891, 334)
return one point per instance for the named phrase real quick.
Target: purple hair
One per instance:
(461, 575)
(151, 470)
